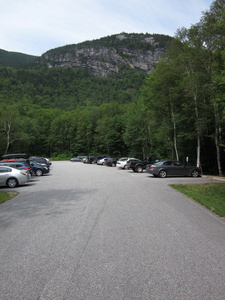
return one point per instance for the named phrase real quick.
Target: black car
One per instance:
(138, 165)
(172, 168)
(41, 160)
(38, 169)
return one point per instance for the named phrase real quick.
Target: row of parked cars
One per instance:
(18, 169)
(152, 165)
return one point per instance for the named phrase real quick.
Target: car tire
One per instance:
(162, 174)
(39, 172)
(195, 173)
(12, 182)
(139, 169)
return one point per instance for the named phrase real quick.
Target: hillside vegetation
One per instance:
(128, 94)
(15, 59)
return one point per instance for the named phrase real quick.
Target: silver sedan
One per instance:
(12, 177)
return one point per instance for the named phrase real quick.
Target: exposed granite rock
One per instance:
(104, 60)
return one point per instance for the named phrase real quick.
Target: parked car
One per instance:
(20, 165)
(172, 168)
(99, 157)
(122, 162)
(12, 177)
(138, 165)
(78, 158)
(101, 161)
(41, 160)
(110, 162)
(38, 169)
(89, 159)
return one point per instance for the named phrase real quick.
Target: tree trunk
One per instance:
(198, 163)
(174, 133)
(217, 140)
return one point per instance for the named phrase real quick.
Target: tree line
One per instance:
(176, 112)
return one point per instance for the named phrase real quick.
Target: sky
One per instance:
(36, 26)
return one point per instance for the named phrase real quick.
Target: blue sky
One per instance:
(36, 26)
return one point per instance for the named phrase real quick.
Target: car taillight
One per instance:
(27, 168)
(151, 167)
(23, 172)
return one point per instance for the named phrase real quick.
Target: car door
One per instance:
(167, 165)
(178, 169)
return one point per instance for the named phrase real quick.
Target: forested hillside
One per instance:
(172, 108)
(15, 59)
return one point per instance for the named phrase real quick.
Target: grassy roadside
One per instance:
(5, 196)
(211, 195)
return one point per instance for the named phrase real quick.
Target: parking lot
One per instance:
(85, 231)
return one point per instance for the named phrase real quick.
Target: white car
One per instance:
(122, 162)
(12, 177)
(101, 161)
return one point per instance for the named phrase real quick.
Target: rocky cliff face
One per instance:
(103, 60)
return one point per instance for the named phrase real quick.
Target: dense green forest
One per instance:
(15, 59)
(177, 111)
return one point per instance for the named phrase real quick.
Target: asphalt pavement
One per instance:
(89, 232)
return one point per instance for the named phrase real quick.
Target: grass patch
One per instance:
(211, 195)
(5, 196)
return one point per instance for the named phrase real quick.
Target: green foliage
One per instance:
(16, 60)
(178, 108)
(61, 156)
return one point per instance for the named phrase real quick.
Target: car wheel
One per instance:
(139, 169)
(12, 182)
(162, 174)
(194, 173)
(39, 172)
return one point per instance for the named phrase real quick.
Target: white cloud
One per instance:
(33, 27)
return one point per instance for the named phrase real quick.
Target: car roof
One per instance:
(14, 155)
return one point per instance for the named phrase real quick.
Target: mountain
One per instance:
(108, 55)
(102, 57)
(15, 59)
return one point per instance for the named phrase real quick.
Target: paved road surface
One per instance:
(88, 232)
